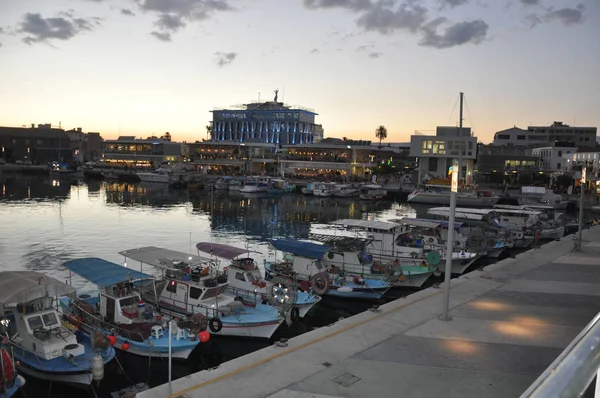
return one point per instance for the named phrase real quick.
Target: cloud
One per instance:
(566, 16)
(364, 47)
(374, 55)
(314, 51)
(453, 3)
(457, 34)
(225, 58)
(383, 19)
(162, 36)
(355, 5)
(65, 27)
(530, 2)
(126, 11)
(170, 22)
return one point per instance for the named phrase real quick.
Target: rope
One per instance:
(453, 109)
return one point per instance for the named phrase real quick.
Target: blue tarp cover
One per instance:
(304, 249)
(103, 273)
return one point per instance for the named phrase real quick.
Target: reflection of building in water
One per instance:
(269, 217)
(155, 195)
(15, 186)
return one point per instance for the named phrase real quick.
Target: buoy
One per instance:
(401, 278)
(437, 272)
(7, 370)
(111, 339)
(215, 325)
(204, 336)
(125, 346)
(98, 367)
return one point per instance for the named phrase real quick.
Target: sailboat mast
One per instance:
(462, 143)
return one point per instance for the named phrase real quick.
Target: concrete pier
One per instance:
(508, 323)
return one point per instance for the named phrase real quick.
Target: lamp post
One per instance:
(581, 188)
(450, 243)
(172, 330)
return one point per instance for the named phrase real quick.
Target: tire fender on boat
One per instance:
(320, 283)
(520, 235)
(215, 325)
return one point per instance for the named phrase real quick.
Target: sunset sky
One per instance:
(143, 67)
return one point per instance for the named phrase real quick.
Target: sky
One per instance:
(145, 67)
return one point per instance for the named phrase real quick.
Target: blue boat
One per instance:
(43, 346)
(245, 279)
(117, 310)
(192, 286)
(10, 380)
(324, 267)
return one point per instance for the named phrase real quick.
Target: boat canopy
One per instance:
(221, 250)
(380, 225)
(24, 286)
(426, 223)
(461, 210)
(303, 249)
(163, 258)
(103, 273)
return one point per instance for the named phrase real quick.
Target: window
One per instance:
(35, 322)
(195, 293)
(40, 142)
(126, 302)
(251, 277)
(503, 137)
(558, 166)
(240, 276)
(560, 153)
(433, 164)
(50, 319)
(521, 137)
(172, 287)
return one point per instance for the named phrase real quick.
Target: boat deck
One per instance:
(508, 323)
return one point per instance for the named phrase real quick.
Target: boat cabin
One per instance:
(302, 259)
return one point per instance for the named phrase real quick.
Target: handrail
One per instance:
(574, 369)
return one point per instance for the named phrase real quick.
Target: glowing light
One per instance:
(488, 305)
(461, 347)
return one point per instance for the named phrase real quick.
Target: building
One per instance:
(435, 153)
(584, 157)
(132, 152)
(328, 158)
(39, 145)
(542, 136)
(551, 157)
(268, 122)
(85, 146)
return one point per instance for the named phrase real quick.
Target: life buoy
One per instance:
(7, 371)
(437, 273)
(520, 235)
(430, 240)
(320, 283)
(295, 314)
(215, 325)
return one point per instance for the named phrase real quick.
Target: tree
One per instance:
(208, 131)
(166, 136)
(381, 133)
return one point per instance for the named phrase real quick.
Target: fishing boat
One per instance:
(324, 189)
(408, 271)
(118, 310)
(10, 380)
(346, 191)
(552, 227)
(44, 347)
(255, 185)
(325, 270)
(522, 223)
(439, 194)
(531, 195)
(193, 285)
(372, 192)
(246, 280)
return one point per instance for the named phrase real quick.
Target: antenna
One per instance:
(283, 93)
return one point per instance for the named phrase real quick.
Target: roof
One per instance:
(417, 222)
(162, 258)
(221, 250)
(23, 286)
(103, 273)
(382, 225)
(462, 210)
(303, 249)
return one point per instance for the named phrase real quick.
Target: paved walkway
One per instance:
(508, 324)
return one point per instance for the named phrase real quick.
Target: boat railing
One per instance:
(99, 325)
(573, 372)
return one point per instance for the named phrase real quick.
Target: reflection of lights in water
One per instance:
(3, 190)
(488, 305)
(28, 192)
(461, 347)
(55, 183)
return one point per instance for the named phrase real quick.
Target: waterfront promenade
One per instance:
(509, 322)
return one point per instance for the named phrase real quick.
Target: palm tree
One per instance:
(381, 133)
(208, 131)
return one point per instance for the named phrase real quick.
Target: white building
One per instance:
(435, 153)
(546, 135)
(573, 160)
(551, 157)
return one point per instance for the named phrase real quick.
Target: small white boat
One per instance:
(324, 189)
(372, 192)
(255, 185)
(160, 175)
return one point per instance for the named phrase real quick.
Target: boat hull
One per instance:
(12, 390)
(359, 293)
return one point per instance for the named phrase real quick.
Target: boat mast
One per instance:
(462, 143)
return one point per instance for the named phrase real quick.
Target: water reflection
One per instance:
(135, 194)
(19, 187)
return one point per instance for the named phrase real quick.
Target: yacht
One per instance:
(255, 185)
(542, 196)
(160, 175)
(346, 191)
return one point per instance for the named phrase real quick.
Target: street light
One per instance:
(450, 243)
